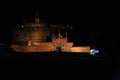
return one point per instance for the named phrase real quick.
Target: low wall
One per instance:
(47, 47)
(41, 47)
(85, 49)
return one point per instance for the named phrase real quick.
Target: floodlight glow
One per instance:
(93, 51)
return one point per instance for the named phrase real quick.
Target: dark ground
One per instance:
(62, 65)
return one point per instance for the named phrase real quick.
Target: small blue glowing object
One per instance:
(93, 51)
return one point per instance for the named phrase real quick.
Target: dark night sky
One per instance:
(92, 24)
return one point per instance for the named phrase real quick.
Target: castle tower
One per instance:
(37, 19)
(33, 32)
(38, 30)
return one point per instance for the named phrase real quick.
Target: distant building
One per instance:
(36, 37)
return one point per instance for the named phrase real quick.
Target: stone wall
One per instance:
(41, 47)
(84, 49)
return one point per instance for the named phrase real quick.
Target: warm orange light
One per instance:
(85, 49)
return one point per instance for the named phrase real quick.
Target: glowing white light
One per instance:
(93, 51)
(22, 26)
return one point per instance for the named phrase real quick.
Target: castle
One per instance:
(36, 37)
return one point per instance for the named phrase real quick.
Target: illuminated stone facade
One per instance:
(32, 37)
(34, 32)
(44, 46)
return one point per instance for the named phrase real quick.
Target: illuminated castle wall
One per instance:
(32, 37)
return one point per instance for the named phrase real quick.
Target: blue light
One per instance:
(93, 51)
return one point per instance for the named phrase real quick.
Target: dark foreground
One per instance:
(63, 65)
(45, 57)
